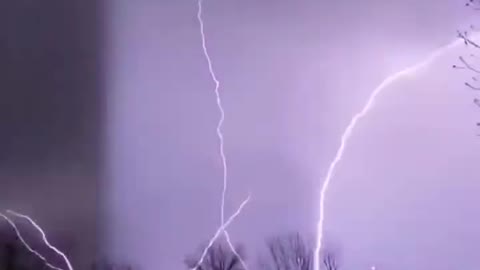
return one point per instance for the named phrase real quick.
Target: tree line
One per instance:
(283, 252)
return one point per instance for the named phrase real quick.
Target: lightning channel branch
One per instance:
(44, 238)
(348, 132)
(221, 142)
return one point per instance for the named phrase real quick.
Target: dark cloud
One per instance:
(50, 82)
(51, 114)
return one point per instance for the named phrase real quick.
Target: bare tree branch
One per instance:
(472, 87)
(288, 252)
(291, 252)
(219, 257)
(473, 5)
(464, 35)
(330, 261)
(467, 64)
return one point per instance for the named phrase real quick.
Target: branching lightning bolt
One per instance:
(220, 230)
(27, 246)
(221, 141)
(44, 237)
(348, 132)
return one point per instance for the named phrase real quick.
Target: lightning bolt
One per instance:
(348, 132)
(44, 237)
(219, 105)
(221, 141)
(26, 245)
(219, 231)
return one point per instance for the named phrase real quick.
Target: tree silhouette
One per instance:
(288, 252)
(330, 261)
(471, 62)
(291, 252)
(218, 257)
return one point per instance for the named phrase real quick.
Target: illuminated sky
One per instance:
(292, 74)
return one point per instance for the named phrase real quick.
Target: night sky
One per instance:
(108, 125)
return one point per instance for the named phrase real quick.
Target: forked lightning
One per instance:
(222, 151)
(44, 239)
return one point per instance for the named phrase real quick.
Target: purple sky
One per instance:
(292, 74)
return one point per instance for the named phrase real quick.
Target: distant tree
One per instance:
(288, 252)
(291, 252)
(330, 260)
(471, 62)
(218, 257)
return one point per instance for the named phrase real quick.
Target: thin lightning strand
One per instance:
(26, 245)
(234, 251)
(348, 131)
(219, 231)
(220, 108)
(219, 131)
(44, 237)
